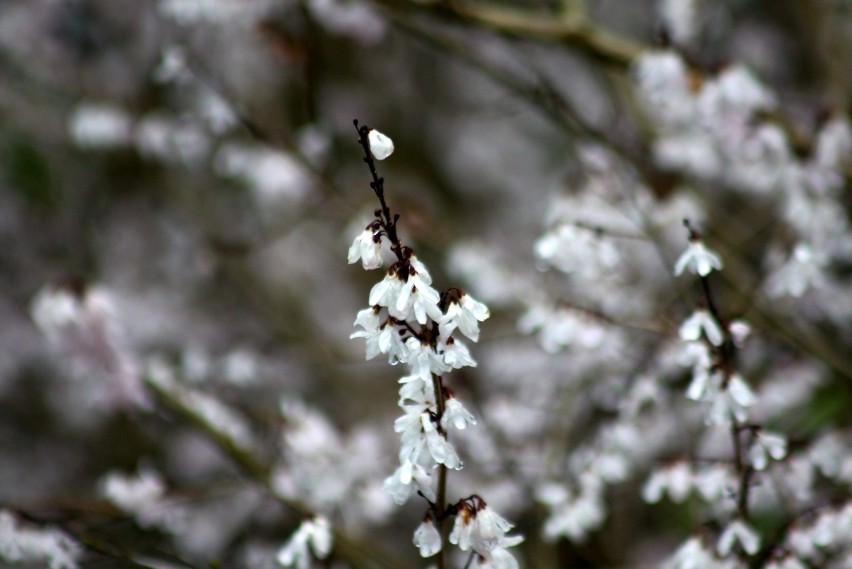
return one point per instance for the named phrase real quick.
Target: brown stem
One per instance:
(441, 500)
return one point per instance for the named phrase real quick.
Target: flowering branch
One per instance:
(412, 323)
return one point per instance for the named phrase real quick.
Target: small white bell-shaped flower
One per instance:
(381, 146)
(699, 259)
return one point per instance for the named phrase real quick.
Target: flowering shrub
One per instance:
(624, 338)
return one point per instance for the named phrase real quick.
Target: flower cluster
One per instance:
(411, 323)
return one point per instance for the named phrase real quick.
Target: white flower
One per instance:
(385, 292)
(740, 331)
(315, 533)
(677, 479)
(416, 294)
(699, 259)
(693, 555)
(368, 319)
(381, 146)
(440, 449)
(368, 247)
(484, 531)
(730, 402)
(415, 389)
(456, 355)
(498, 558)
(455, 413)
(423, 360)
(464, 315)
(738, 531)
(427, 538)
(382, 340)
(766, 444)
(701, 320)
(401, 483)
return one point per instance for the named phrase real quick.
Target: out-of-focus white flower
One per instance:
(740, 331)
(804, 270)
(698, 259)
(681, 19)
(427, 538)
(789, 562)
(834, 143)
(367, 246)
(735, 94)
(171, 141)
(41, 547)
(574, 249)
(216, 112)
(314, 534)
(273, 175)
(381, 146)
(133, 493)
(766, 444)
(730, 402)
(676, 479)
(464, 314)
(225, 12)
(358, 20)
(80, 323)
(693, 555)
(663, 80)
(143, 496)
(701, 321)
(738, 531)
(572, 516)
(173, 65)
(100, 126)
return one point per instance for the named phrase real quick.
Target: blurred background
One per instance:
(180, 181)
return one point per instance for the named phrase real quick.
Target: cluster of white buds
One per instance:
(410, 322)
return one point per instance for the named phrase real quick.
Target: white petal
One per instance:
(381, 146)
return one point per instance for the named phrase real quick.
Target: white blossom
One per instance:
(314, 534)
(418, 296)
(677, 479)
(367, 247)
(408, 477)
(440, 449)
(424, 361)
(482, 530)
(766, 444)
(698, 259)
(456, 415)
(100, 126)
(702, 321)
(381, 146)
(456, 355)
(738, 531)
(385, 292)
(466, 314)
(37, 547)
(427, 538)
